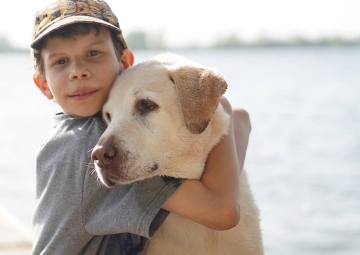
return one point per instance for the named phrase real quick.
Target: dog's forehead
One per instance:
(147, 79)
(150, 75)
(155, 69)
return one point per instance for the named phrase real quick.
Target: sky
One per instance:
(199, 22)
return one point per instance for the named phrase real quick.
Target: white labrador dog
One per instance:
(163, 118)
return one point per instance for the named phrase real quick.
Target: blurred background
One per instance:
(293, 65)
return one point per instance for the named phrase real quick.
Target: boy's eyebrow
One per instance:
(95, 43)
(51, 55)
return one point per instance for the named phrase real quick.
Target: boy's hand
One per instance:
(213, 201)
(242, 129)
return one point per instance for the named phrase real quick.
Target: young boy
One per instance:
(78, 51)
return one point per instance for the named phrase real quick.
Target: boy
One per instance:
(79, 50)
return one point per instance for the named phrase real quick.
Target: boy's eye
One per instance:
(93, 53)
(61, 61)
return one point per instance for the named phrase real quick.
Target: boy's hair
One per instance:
(70, 31)
(60, 14)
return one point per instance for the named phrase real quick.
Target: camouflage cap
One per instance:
(61, 13)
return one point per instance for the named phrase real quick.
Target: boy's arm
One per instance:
(213, 201)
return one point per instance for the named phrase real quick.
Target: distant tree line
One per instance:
(232, 41)
(143, 40)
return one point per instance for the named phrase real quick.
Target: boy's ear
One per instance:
(42, 85)
(127, 60)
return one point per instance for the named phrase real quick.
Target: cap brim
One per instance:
(68, 21)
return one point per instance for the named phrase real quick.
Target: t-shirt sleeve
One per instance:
(133, 208)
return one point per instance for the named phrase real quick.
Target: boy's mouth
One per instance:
(82, 94)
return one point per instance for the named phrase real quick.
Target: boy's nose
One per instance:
(79, 72)
(84, 75)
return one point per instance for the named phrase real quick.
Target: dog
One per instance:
(163, 118)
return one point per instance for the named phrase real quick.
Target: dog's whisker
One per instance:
(93, 171)
(97, 182)
(89, 164)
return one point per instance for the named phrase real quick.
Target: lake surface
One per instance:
(303, 159)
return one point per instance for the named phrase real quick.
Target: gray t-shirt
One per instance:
(74, 213)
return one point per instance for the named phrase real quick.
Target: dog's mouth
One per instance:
(108, 183)
(110, 179)
(113, 179)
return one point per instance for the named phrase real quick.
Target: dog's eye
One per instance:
(144, 106)
(107, 117)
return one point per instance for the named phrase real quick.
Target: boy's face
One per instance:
(79, 72)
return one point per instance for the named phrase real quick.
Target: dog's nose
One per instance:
(103, 154)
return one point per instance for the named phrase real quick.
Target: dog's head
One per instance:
(156, 114)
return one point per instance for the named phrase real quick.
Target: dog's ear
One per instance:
(199, 91)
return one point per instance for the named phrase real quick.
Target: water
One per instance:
(303, 158)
